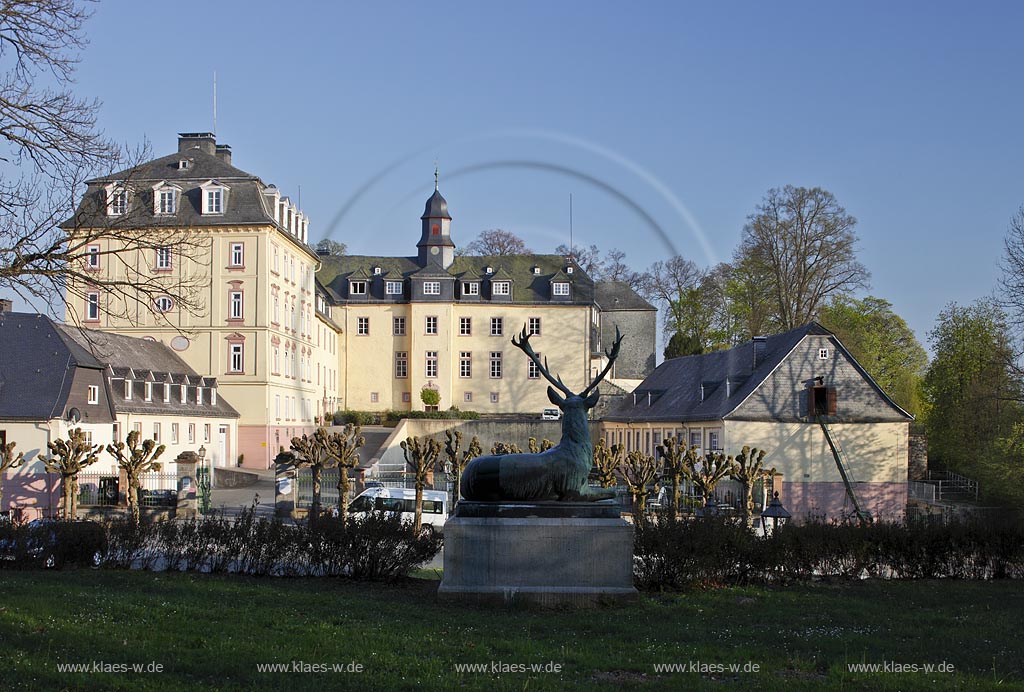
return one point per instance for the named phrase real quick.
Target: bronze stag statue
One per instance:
(559, 473)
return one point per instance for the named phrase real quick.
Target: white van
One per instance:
(551, 414)
(435, 504)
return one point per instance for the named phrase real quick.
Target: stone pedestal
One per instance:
(544, 553)
(186, 465)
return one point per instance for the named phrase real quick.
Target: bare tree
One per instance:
(801, 246)
(421, 456)
(8, 460)
(331, 248)
(706, 471)
(1011, 282)
(500, 447)
(51, 145)
(588, 258)
(68, 458)
(639, 471)
(497, 242)
(606, 461)
(674, 461)
(614, 268)
(311, 453)
(136, 459)
(459, 457)
(340, 449)
(748, 468)
(544, 445)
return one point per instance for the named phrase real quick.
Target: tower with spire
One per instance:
(436, 248)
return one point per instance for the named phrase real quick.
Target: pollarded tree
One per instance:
(639, 471)
(68, 458)
(8, 460)
(607, 461)
(340, 448)
(421, 455)
(544, 445)
(458, 457)
(747, 469)
(309, 452)
(706, 471)
(801, 247)
(500, 447)
(673, 458)
(135, 459)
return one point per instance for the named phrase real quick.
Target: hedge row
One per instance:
(380, 417)
(683, 553)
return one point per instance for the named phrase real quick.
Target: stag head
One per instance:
(570, 398)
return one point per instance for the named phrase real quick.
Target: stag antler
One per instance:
(612, 354)
(524, 345)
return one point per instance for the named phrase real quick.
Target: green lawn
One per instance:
(211, 632)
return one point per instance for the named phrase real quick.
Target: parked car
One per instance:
(54, 544)
(435, 504)
(551, 414)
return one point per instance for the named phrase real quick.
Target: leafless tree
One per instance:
(748, 468)
(606, 462)
(136, 459)
(341, 449)
(49, 146)
(1011, 282)
(639, 470)
(68, 458)
(421, 455)
(497, 242)
(588, 258)
(8, 460)
(458, 457)
(800, 245)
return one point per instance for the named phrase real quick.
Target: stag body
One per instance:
(559, 473)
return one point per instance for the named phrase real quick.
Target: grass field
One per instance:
(214, 632)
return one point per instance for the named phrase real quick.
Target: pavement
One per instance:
(231, 500)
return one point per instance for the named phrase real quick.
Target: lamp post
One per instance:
(450, 489)
(203, 480)
(776, 512)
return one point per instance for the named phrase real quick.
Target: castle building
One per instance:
(243, 247)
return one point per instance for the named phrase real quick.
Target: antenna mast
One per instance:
(215, 104)
(572, 249)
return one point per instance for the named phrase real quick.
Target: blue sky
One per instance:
(909, 113)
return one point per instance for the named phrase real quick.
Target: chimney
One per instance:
(224, 153)
(6, 305)
(205, 142)
(760, 345)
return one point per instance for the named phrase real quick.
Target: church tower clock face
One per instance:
(434, 250)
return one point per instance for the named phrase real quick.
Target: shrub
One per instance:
(50, 543)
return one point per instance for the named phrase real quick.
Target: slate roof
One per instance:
(436, 207)
(36, 367)
(672, 391)
(244, 202)
(617, 295)
(143, 360)
(527, 287)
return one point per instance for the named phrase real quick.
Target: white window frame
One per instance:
(237, 305)
(165, 201)
(93, 396)
(465, 364)
(430, 365)
(501, 288)
(117, 200)
(92, 306)
(497, 326)
(93, 257)
(357, 288)
(532, 369)
(496, 365)
(362, 326)
(470, 288)
(560, 288)
(431, 288)
(236, 360)
(430, 326)
(465, 326)
(237, 255)
(533, 326)
(393, 288)
(398, 326)
(191, 433)
(823, 354)
(156, 431)
(163, 303)
(128, 389)
(164, 258)
(174, 433)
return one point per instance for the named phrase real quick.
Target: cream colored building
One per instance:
(243, 248)
(446, 322)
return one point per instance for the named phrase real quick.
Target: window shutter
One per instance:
(830, 398)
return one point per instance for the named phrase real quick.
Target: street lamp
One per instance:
(776, 512)
(203, 480)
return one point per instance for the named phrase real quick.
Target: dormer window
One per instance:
(536, 270)
(376, 271)
(117, 200)
(488, 270)
(560, 288)
(431, 288)
(165, 199)
(569, 269)
(127, 390)
(470, 288)
(213, 195)
(501, 288)
(183, 392)
(149, 391)
(393, 288)
(357, 288)
(184, 164)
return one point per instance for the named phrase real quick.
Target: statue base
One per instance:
(540, 553)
